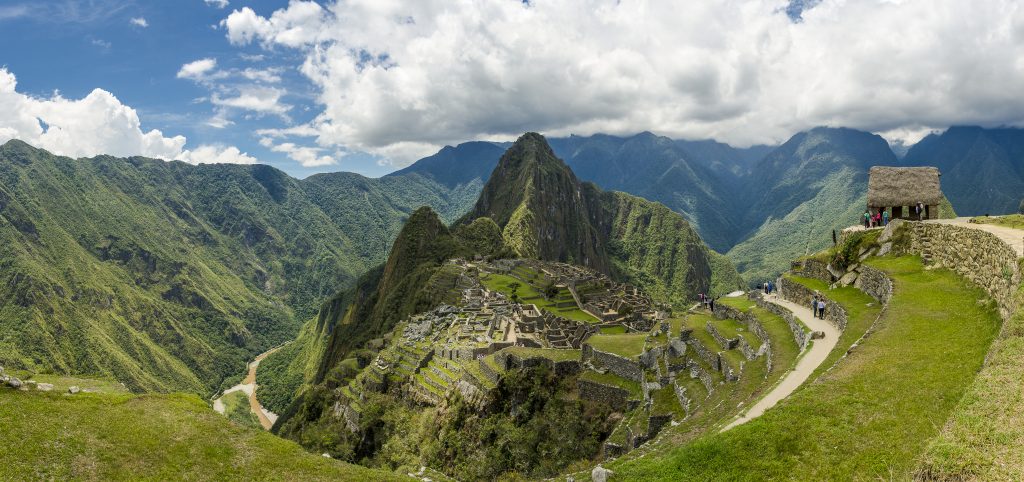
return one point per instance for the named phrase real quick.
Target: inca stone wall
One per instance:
(623, 367)
(976, 255)
(725, 343)
(617, 398)
(874, 283)
(705, 354)
(723, 311)
(815, 269)
(802, 295)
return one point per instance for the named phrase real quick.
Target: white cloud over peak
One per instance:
(431, 72)
(306, 156)
(139, 22)
(95, 124)
(262, 100)
(217, 3)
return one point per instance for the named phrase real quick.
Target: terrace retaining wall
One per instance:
(621, 366)
(802, 295)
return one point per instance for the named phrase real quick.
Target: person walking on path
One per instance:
(821, 309)
(814, 306)
(867, 219)
(885, 218)
(711, 303)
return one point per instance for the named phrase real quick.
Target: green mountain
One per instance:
(545, 212)
(169, 277)
(813, 184)
(982, 169)
(532, 206)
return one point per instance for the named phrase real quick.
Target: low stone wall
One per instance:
(802, 295)
(748, 351)
(697, 371)
(615, 397)
(874, 283)
(489, 372)
(623, 367)
(561, 368)
(704, 353)
(800, 335)
(812, 268)
(725, 343)
(976, 255)
(723, 311)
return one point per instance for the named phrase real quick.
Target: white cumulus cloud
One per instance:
(139, 22)
(197, 70)
(396, 74)
(95, 124)
(217, 3)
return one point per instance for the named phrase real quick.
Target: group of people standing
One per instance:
(818, 306)
(707, 301)
(879, 219)
(768, 287)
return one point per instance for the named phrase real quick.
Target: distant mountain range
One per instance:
(783, 200)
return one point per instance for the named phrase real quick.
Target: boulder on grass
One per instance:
(600, 474)
(74, 389)
(44, 387)
(14, 383)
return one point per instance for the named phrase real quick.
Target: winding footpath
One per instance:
(805, 366)
(248, 385)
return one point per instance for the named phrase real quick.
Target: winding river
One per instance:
(249, 386)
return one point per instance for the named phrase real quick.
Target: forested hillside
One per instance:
(168, 276)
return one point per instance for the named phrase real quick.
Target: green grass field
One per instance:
(627, 345)
(117, 436)
(527, 293)
(237, 409)
(870, 417)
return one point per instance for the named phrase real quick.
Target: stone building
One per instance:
(902, 188)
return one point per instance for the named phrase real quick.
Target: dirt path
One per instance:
(805, 366)
(248, 385)
(1010, 236)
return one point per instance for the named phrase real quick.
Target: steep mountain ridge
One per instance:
(168, 276)
(545, 212)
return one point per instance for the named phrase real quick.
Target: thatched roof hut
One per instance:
(903, 186)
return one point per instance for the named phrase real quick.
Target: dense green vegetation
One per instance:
(238, 410)
(111, 436)
(871, 415)
(168, 276)
(535, 429)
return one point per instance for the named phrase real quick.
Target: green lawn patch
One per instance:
(873, 414)
(237, 409)
(151, 437)
(526, 292)
(552, 354)
(627, 345)
(613, 330)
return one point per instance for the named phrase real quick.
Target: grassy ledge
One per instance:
(106, 436)
(889, 396)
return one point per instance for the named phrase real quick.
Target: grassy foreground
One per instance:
(116, 436)
(984, 437)
(873, 414)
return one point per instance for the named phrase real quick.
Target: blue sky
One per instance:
(370, 86)
(76, 46)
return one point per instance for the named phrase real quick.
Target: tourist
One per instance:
(885, 218)
(814, 306)
(878, 219)
(919, 209)
(821, 309)
(867, 219)
(712, 304)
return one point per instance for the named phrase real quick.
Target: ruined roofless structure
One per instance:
(901, 188)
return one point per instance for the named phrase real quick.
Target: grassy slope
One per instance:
(159, 437)
(1015, 221)
(168, 276)
(984, 437)
(804, 230)
(870, 416)
(283, 373)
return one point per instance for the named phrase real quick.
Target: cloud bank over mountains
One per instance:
(402, 78)
(95, 124)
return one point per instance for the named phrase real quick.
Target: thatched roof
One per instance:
(903, 186)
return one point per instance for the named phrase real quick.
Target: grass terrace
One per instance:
(552, 354)
(626, 345)
(613, 330)
(890, 396)
(613, 380)
(119, 436)
(529, 294)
